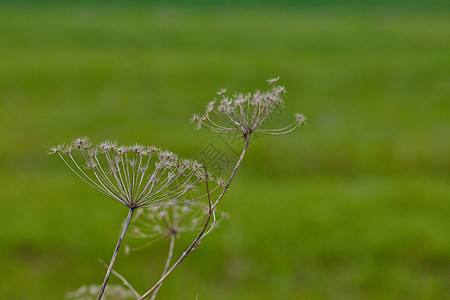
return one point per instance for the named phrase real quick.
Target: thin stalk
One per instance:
(166, 267)
(113, 259)
(210, 212)
(247, 141)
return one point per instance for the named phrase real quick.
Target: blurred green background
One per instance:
(353, 206)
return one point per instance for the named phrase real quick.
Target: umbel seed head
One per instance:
(135, 175)
(246, 113)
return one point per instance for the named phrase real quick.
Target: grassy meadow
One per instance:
(353, 206)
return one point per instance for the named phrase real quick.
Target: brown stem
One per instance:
(113, 259)
(247, 140)
(200, 235)
(166, 267)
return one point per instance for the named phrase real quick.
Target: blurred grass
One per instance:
(353, 207)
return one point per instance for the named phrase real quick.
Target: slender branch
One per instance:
(166, 267)
(247, 141)
(210, 212)
(113, 259)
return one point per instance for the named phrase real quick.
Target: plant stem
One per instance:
(247, 140)
(200, 235)
(166, 267)
(113, 259)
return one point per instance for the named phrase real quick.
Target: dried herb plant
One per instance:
(246, 113)
(127, 175)
(242, 114)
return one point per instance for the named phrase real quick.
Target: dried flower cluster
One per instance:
(114, 292)
(163, 221)
(158, 222)
(246, 113)
(126, 174)
(164, 186)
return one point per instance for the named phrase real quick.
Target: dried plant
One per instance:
(246, 113)
(243, 114)
(159, 222)
(126, 174)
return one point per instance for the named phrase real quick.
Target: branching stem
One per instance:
(166, 267)
(113, 259)
(247, 141)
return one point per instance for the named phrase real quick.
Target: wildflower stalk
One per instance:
(113, 259)
(247, 141)
(166, 267)
(203, 232)
(122, 177)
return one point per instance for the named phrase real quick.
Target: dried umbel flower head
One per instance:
(89, 292)
(246, 113)
(136, 175)
(168, 219)
(158, 222)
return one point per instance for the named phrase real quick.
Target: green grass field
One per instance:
(353, 206)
